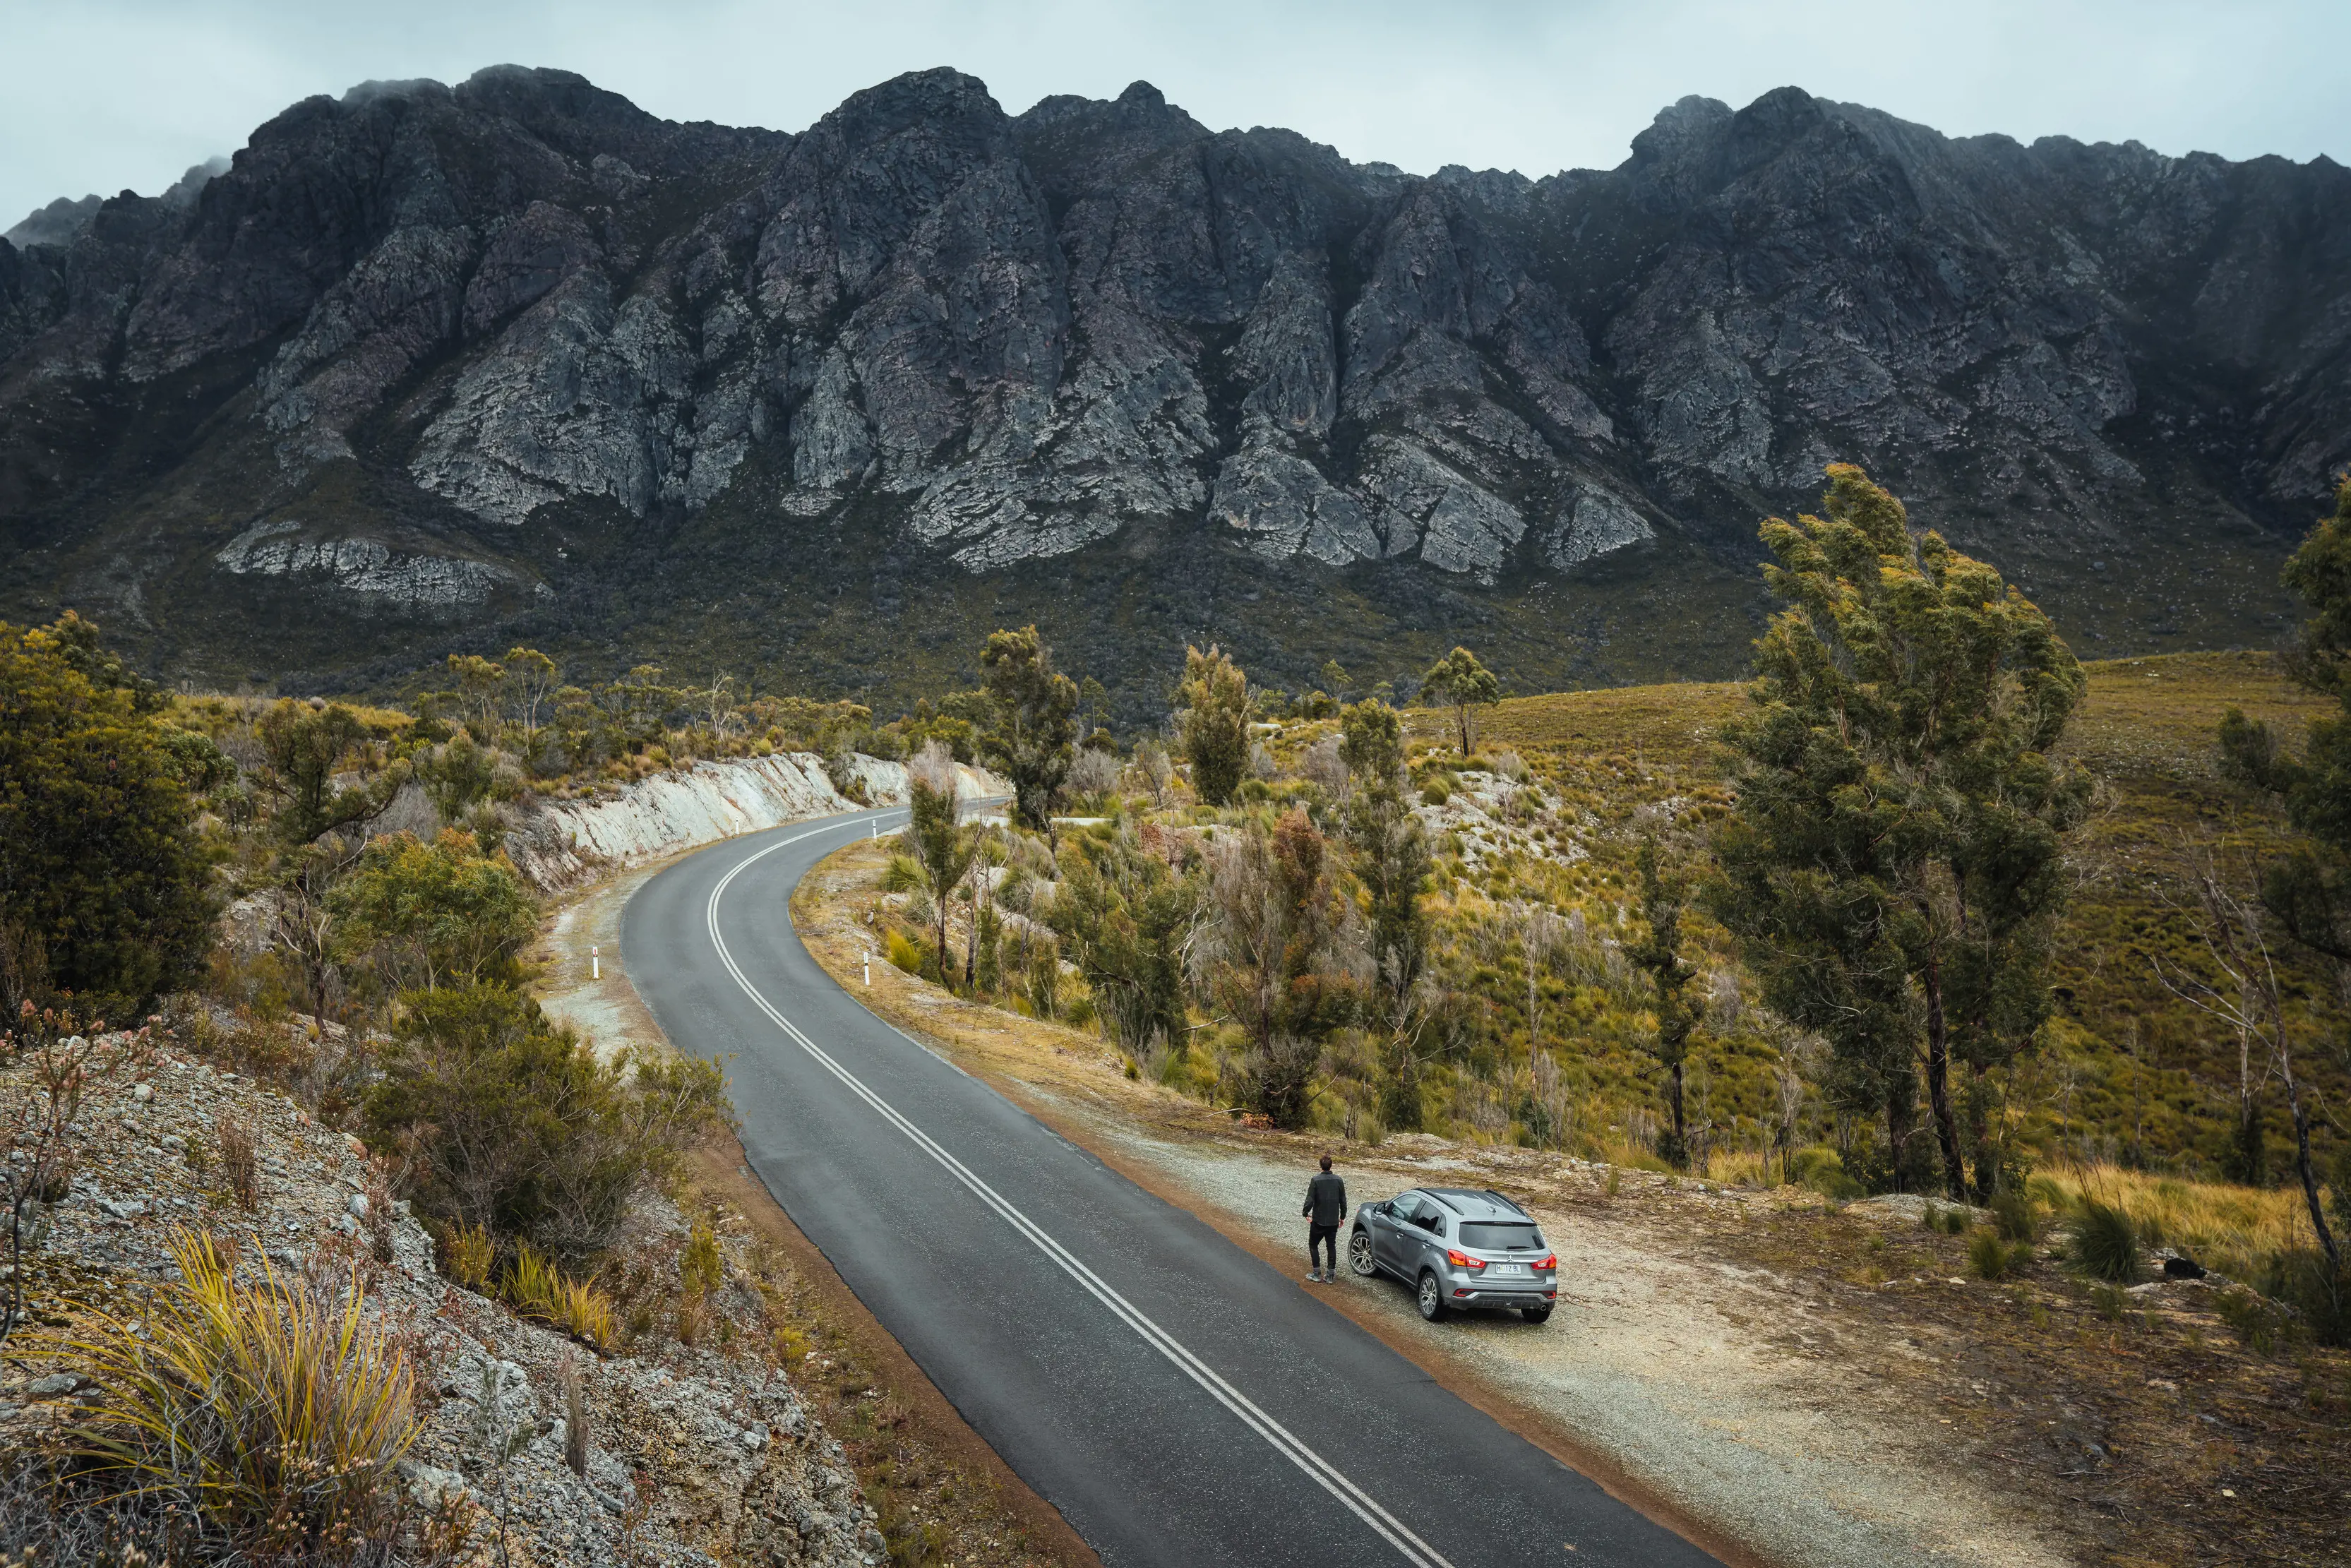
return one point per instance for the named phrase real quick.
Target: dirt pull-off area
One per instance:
(1789, 1380)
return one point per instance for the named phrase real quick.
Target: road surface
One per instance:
(1179, 1401)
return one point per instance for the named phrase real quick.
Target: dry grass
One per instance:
(275, 1412)
(2230, 1230)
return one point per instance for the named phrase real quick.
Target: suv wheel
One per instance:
(1431, 1297)
(1359, 1254)
(1535, 1314)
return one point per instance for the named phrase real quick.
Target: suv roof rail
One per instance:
(1505, 1202)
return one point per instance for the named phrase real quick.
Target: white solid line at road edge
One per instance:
(1360, 1503)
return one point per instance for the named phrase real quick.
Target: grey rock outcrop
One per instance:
(446, 329)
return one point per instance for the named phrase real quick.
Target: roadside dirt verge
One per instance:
(1792, 1381)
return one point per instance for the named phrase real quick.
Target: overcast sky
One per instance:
(100, 95)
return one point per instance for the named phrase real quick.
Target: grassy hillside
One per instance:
(2132, 1074)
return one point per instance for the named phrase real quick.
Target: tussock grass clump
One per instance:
(468, 1255)
(2106, 1243)
(1991, 1257)
(536, 1289)
(274, 1414)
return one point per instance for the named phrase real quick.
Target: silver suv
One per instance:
(1458, 1249)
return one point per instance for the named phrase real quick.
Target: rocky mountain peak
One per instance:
(419, 344)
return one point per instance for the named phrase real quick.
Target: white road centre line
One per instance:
(1390, 1529)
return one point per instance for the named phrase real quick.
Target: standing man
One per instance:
(1326, 1209)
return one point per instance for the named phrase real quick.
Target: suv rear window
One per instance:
(1500, 1237)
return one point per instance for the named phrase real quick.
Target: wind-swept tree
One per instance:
(1031, 726)
(531, 679)
(1213, 720)
(479, 684)
(1894, 863)
(1459, 682)
(2306, 891)
(1390, 858)
(302, 747)
(1272, 960)
(1659, 954)
(942, 848)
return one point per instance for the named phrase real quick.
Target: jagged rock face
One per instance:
(415, 333)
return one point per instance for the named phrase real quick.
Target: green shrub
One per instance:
(2106, 1243)
(1820, 1169)
(904, 953)
(2016, 1216)
(1992, 1258)
(2319, 1293)
(700, 1266)
(1437, 794)
(2110, 1302)
(442, 913)
(104, 889)
(515, 1126)
(2259, 1322)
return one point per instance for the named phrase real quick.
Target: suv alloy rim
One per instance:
(1359, 1253)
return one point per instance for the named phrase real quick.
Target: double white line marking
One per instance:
(1390, 1529)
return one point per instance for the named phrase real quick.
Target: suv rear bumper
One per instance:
(1460, 1295)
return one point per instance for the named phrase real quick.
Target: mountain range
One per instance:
(428, 368)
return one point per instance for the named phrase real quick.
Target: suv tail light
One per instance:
(1550, 1260)
(1461, 1260)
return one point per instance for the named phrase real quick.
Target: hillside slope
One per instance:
(2133, 1074)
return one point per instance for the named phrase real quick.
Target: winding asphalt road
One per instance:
(1179, 1401)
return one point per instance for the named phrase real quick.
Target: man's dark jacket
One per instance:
(1326, 1199)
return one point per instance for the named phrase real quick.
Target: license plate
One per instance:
(1511, 1270)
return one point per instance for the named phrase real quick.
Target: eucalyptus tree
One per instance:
(1894, 863)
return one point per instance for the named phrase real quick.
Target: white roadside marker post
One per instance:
(595, 965)
(869, 970)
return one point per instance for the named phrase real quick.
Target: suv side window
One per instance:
(1434, 1220)
(1404, 1209)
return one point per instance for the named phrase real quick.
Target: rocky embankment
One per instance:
(692, 1457)
(560, 844)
